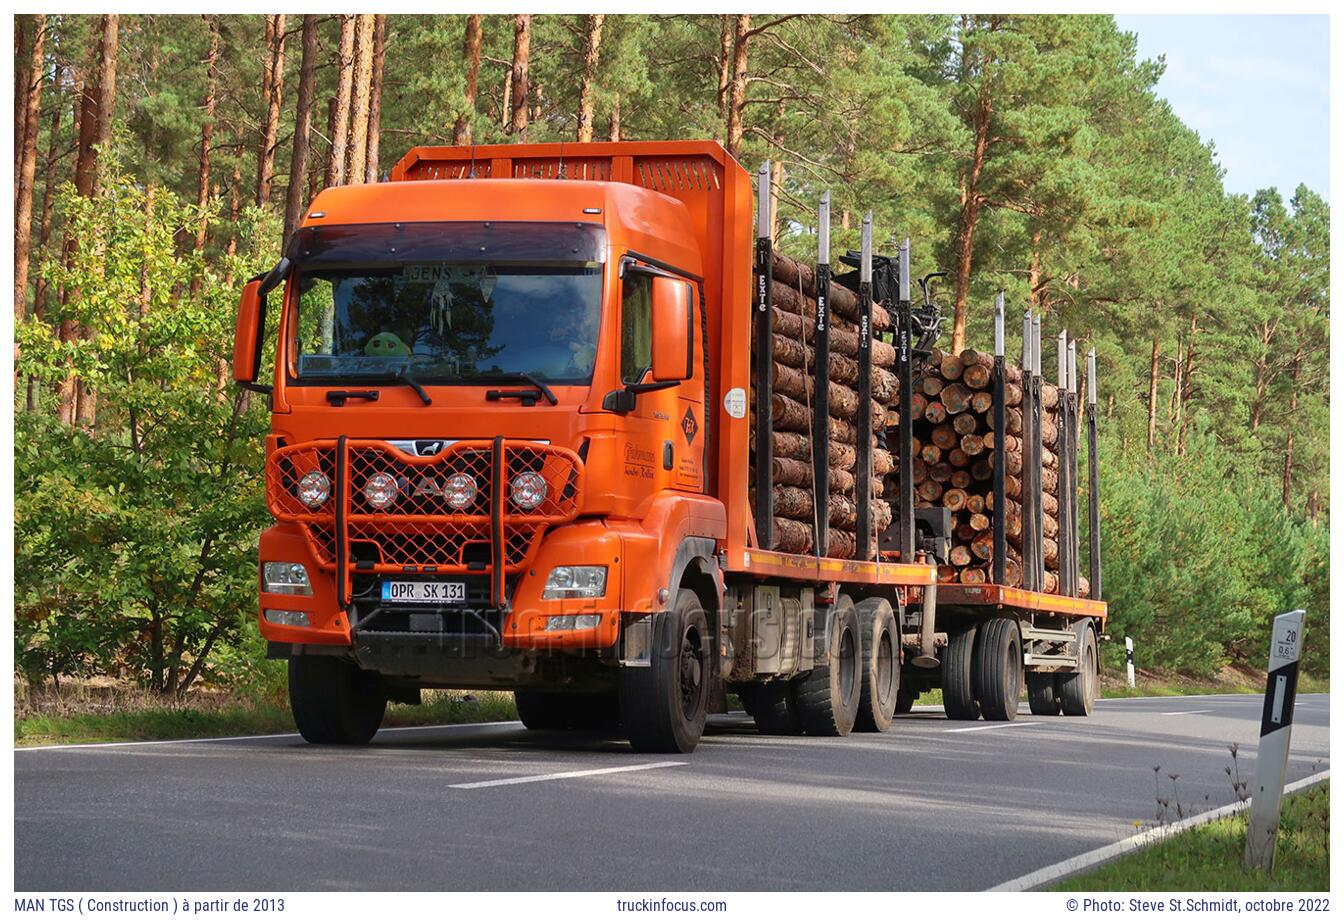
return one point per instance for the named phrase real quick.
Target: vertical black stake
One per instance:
(1000, 421)
(1062, 537)
(1076, 552)
(821, 386)
(1027, 486)
(765, 367)
(1037, 452)
(863, 472)
(905, 360)
(1094, 483)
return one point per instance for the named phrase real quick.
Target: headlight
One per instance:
(460, 490)
(575, 581)
(528, 490)
(381, 490)
(314, 489)
(285, 578)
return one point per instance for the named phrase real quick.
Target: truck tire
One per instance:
(880, 682)
(773, 708)
(663, 706)
(1078, 690)
(958, 693)
(828, 697)
(998, 669)
(905, 701)
(1043, 693)
(334, 701)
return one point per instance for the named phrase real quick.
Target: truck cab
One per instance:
(493, 411)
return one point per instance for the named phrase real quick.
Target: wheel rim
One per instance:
(691, 673)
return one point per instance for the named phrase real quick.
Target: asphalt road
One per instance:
(931, 805)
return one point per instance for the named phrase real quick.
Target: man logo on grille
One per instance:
(689, 426)
(427, 448)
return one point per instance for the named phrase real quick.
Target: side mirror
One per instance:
(247, 334)
(673, 342)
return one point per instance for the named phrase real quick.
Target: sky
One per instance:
(1257, 86)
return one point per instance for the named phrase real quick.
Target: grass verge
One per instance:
(148, 720)
(1208, 858)
(1168, 682)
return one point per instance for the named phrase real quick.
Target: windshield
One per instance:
(449, 302)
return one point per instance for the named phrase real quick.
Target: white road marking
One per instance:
(1062, 870)
(116, 744)
(572, 774)
(985, 728)
(1185, 712)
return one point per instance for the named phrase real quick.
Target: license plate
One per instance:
(425, 592)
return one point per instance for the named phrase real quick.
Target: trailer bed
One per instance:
(1002, 596)
(774, 564)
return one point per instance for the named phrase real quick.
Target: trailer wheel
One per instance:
(1078, 690)
(881, 665)
(663, 706)
(905, 701)
(998, 669)
(334, 701)
(828, 697)
(773, 707)
(1043, 693)
(958, 693)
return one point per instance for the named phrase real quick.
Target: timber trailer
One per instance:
(518, 422)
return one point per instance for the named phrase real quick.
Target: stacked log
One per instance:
(794, 305)
(955, 445)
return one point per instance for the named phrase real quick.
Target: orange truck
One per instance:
(511, 448)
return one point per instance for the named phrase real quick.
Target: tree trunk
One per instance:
(1152, 392)
(31, 88)
(273, 91)
(303, 124)
(25, 31)
(591, 56)
(376, 98)
(726, 32)
(737, 89)
(971, 201)
(522, 39)
(358, 151)
(48, 196)
(471, 58)
(340, 108)
(614, 124)
(1288, 445)
(1034, 298)
(207, 132)
(79, 403)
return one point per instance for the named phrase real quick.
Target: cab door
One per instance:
(668, 423)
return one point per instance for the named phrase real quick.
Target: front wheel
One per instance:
(663, 706)
(334, 701)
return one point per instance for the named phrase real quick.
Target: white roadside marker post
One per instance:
(1276, 729)
(1129, 661)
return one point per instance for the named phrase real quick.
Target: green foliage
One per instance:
(1199, 555)
(136, 541)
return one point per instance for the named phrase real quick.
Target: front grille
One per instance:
(420, 531)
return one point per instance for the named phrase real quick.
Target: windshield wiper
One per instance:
(528, 397)
(405, 377)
